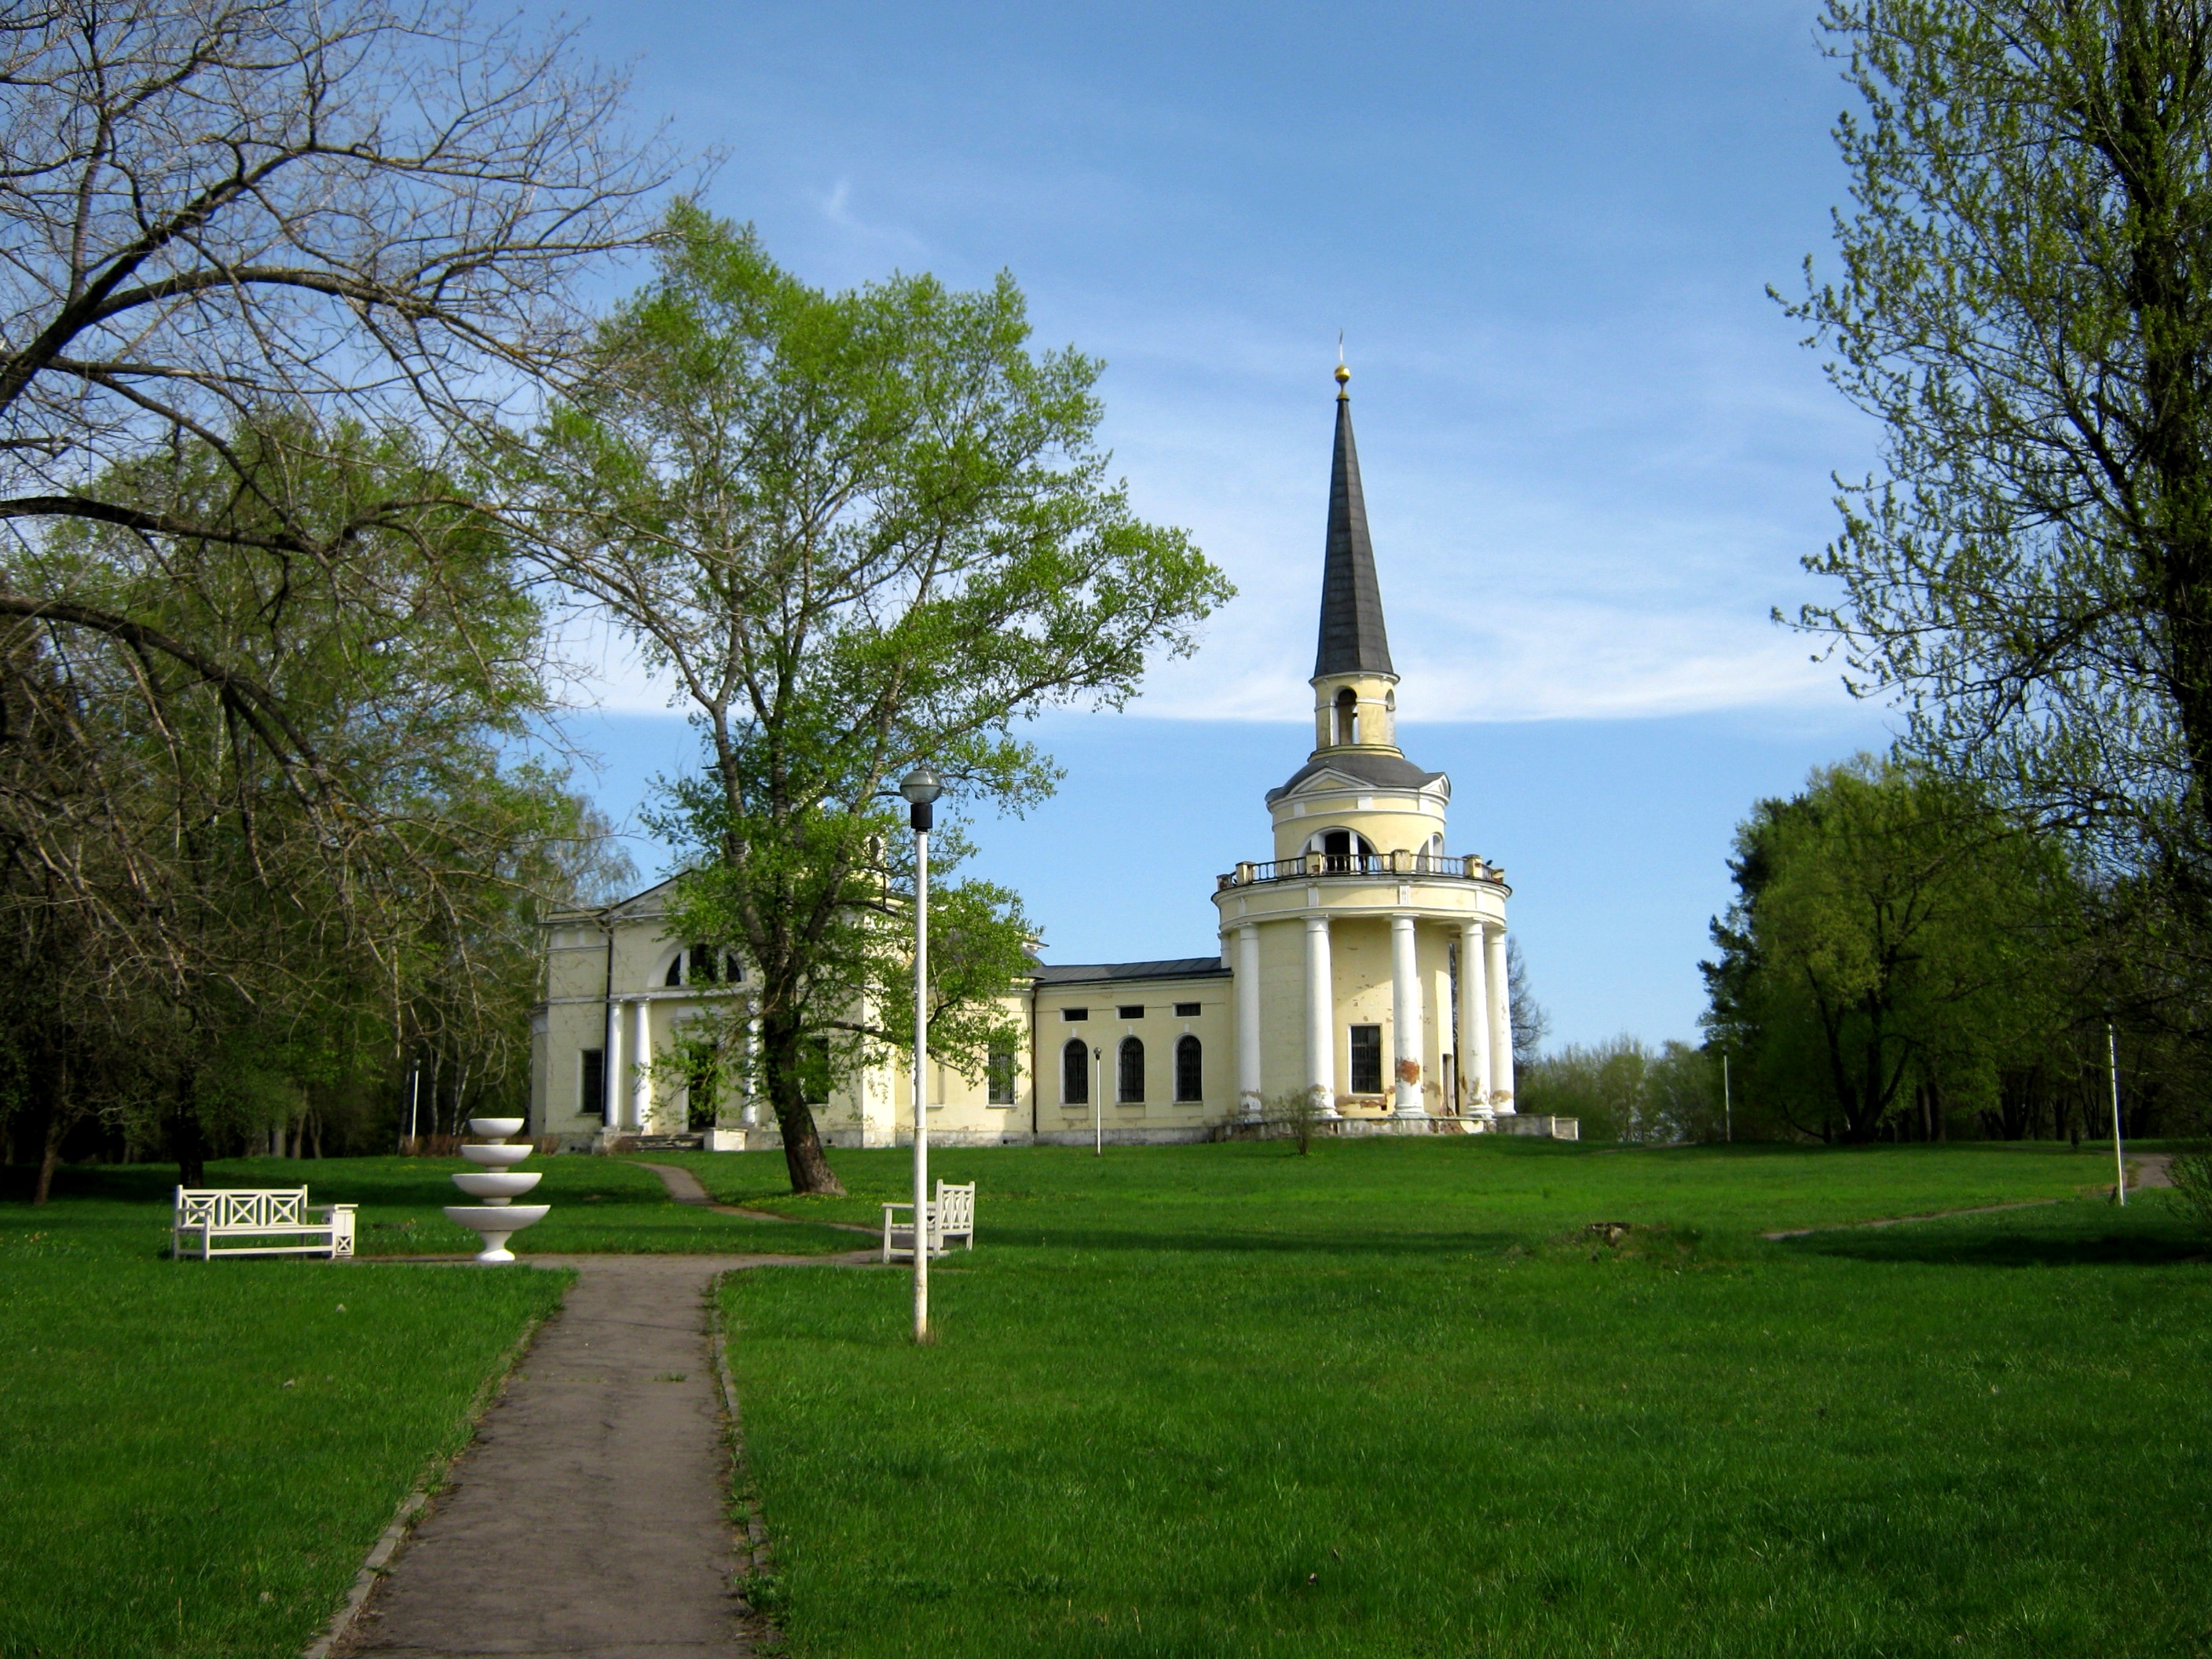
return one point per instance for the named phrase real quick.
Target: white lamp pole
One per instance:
(1727, 1100)
(921, 787)
(1097, 1101)
(2119, 1163)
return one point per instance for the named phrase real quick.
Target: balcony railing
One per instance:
(1467, 867)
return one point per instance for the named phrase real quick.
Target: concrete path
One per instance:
(591, 1518)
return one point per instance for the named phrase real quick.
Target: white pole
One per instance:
(1098, 1103)
(921, 1101)
(1727, 1101)
(2119, 1164)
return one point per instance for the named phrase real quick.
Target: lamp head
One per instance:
(921, 787)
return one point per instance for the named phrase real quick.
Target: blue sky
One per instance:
(1594, 450)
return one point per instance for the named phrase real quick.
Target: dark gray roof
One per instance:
(1384, 771)
(1351, 637)
(1174, 968)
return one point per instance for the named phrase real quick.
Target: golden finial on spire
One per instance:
(1343, 374)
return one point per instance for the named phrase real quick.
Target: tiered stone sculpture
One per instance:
(498, 1184)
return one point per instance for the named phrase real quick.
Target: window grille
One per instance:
(1071, 1015)
(1075, 1073)
(1190, 1070)
(1131, 1011)
(1131, 1071)
(1002, 1076)
(1367, 1059)
(1185, 1011)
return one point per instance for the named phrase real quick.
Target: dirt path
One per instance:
(683, 1186)
(590, 1519)
(2144, 1169)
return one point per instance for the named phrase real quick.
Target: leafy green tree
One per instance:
(1892, 933)
(857, 530)
(2024, 303)
(233, 921)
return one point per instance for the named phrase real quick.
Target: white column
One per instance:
(1321, 1017)
(612, 1104)
(750, 1116)
(641, 1058)
(1501, 1024)
(1248, 1097)
(1405, 1017)
(1473, 1019)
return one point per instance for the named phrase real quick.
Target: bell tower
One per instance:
(1369, 961)
(1355, 687)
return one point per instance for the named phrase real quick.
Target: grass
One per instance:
(1399, 1399)
(195, 1457)
(194, 1460)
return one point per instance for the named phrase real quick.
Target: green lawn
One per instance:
(1397, 1399)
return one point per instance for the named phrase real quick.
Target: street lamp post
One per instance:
(920, 787)
(2119, 1162)
(1097, 1101)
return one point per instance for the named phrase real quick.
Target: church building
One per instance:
(1361, 967)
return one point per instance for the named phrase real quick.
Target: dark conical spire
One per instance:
(1351, 637)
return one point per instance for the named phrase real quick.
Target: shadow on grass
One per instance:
(2071, 1235)
(1439, 1245)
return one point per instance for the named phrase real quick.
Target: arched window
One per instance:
(1132, 1093)
(1347, 716)
(1190, 1069)
(1343, 851)
(1075, 1073)
(702, 964)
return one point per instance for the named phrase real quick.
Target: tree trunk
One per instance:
(50, 1153)
(803, 1157)
(186, 1139)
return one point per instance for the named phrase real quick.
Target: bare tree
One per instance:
(217, 211)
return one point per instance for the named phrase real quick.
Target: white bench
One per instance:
(952, 1216)
(210, 1214)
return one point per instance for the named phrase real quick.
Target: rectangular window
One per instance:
(1131, 1011)
(1002, 1076)
(1071, 1015)
(593, 1100)
(1367, 1059)
(1185, 1011)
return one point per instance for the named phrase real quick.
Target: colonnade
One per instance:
(1484, 1017)
(629, 1063)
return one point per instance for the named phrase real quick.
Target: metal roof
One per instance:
(1381, 770)
(1352, 640)
(1100, 972)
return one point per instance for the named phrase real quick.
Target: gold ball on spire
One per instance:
(1342, 373)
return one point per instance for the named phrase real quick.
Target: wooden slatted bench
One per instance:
(210, 1215)
(952, 1215)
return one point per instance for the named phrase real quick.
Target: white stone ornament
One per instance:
(498, 1184)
